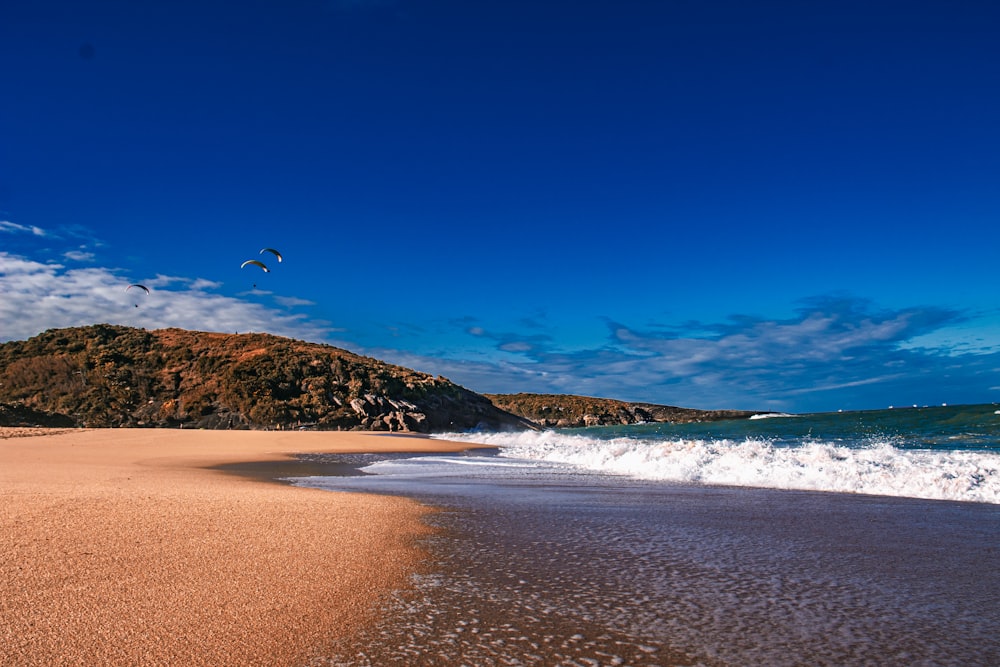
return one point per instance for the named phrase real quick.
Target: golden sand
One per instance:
(120, 547)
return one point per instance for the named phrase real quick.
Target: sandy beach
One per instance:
(124, 547)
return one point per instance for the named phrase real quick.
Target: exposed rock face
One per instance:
(567, 411)
(109, 376)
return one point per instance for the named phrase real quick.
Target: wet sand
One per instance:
(128, 547)
(536, 566)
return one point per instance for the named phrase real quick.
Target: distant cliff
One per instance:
(567, 411)
(111, 376)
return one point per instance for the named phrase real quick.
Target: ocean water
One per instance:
(944, 453)
(865, 538)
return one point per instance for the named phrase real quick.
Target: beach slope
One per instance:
(123, 547)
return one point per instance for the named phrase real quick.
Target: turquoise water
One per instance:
(948, 428)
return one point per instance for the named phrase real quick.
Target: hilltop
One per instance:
(114, 376)
(568, 411)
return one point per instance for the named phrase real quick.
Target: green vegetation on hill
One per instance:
(567, 411)
(109, 376)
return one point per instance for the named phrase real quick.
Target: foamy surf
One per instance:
(878, 467)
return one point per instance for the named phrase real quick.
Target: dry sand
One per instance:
(121, 547)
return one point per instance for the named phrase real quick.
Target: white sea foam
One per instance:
(877, 468)
(771, 415)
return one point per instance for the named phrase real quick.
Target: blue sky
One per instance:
(761, 205)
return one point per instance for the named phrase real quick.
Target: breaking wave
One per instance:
(876, 467)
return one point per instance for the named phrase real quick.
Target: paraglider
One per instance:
(255, 263)
(272, 251)
(137, 286)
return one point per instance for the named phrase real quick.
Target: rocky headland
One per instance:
(568, 411)
(115, 376)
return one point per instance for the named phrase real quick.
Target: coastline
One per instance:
(134, 546)
(552, 567)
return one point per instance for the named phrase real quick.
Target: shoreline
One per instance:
(551, 569)
(138, 546)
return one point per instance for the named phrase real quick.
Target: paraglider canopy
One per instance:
(272, 251)
(137, 285)
(255, 263)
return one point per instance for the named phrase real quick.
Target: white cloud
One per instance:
(490, 377)
(845, 385)
(836, 353)
(292, 301)
(165, 281)
(79, 255)
(14, 228)
(41, 296)
(204, 283)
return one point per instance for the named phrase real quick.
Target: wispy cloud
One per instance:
(835, 352)
(14, 228)
(512, 341)
(40, 296)
(293, 301)
(79, 255)
(203, 284)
